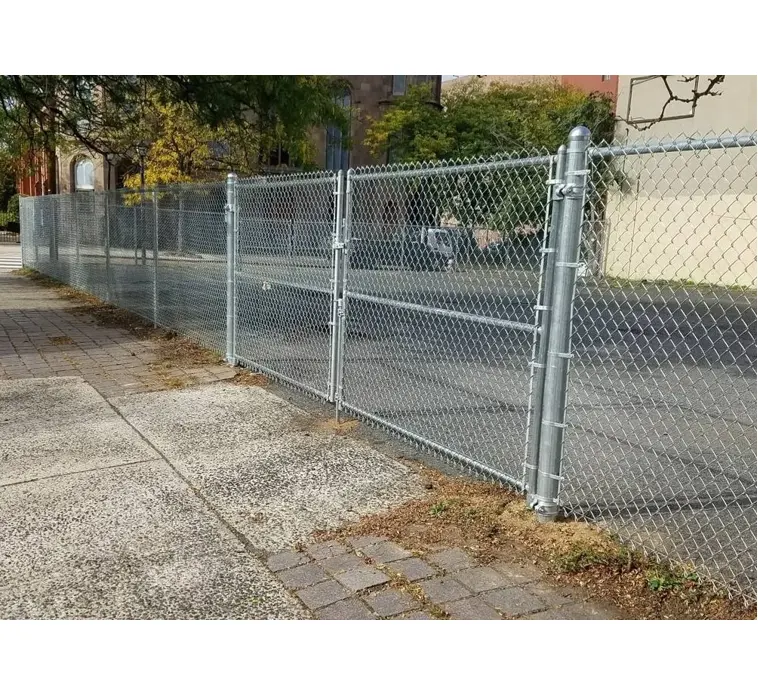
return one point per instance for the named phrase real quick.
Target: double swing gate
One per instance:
(366, 291)
(454, 303)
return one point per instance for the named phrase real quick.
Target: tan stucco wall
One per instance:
(687, 216)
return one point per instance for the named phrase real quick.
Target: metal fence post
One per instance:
(107, 245)
(338, 249)
(155, 258)
(136, 248)
(341, 306)
(180, 226)
(77, 223)
(559, 341)
(544, 308)
(231, 249)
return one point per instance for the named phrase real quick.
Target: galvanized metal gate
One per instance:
(436, 338)
(282, 299)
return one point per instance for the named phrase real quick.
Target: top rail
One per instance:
(727, 141)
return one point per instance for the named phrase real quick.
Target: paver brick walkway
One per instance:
(374, 578)
(40, 337)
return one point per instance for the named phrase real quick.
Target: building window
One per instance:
(84, 175)
(279, 157)
(398, 84)
(605, 78)
(337, 153)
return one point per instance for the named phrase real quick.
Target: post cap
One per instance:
(579, 133)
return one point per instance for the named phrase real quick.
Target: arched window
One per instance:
(337, 153)
(84, 175)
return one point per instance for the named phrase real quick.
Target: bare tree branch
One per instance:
(694, 96)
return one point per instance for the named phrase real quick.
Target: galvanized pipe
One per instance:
(342, 318)
(445, 312)
(155, 258)
(544, 308)
(730, 141)
(231, 245)
(107, 246)
(338, 249)
(395, 172)
(559, 341)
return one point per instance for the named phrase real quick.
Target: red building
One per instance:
(37, 175)
(604, 84)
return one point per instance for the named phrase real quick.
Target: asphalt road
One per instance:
(662, 402)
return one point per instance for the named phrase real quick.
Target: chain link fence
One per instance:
(661, 439)
(579, 324)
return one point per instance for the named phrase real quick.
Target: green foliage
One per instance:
(480, 122)
(661, 579)
(112, 114)
(439, 508)
(13, 207)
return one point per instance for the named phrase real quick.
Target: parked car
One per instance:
(424, 249)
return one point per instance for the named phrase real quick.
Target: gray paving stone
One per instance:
(452, 560)
(470, 608)
(517, 573)
(385, 551)
(302, 576)
(362, 578)
(412, 568)
(578, 611)
(391, 602)
(323, 594)
(414, 615)
(326, 549)
(481, 579)
(443, 589)
(513, 601)
(340, 564)
(286, 559)
(349, 609)
(551, 595)
(361, 541)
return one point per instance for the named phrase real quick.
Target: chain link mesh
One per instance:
(191, 237)
(443, 273)
(284, 277)
(661, 442)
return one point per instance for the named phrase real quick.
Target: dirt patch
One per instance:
(308, 422)
(245, 377)
(493, 523)
(61, 340)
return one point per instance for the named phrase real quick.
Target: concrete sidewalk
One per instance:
(119, 499)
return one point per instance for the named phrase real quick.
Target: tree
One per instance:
(184, 149)
(477, 121)
(105, 114)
